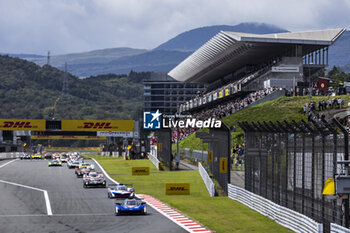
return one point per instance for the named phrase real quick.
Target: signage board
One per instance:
(115, 134)
(223, 165)
(98, 125)
(22, 124)
(66, 137)
(140, 171)
(177, 188)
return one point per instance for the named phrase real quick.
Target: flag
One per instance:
(322, 84)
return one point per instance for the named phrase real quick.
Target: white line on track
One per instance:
(46, 195)
(104, 172)
(1, 166)
(54, 215)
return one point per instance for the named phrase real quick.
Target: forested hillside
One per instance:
(30, 91)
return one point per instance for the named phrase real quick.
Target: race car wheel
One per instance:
(109, 196)
(117, 212)
(84, 185)
(144, 211)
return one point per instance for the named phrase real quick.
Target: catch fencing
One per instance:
(282, 215)
(196, 155)
(289, 163)
(206, 179)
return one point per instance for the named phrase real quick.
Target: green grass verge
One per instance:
(280, 109)
(220, 214)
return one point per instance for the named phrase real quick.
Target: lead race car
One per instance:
(130, 206)
(94, 179)
(120, 191)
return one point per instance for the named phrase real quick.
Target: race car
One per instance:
(36, 156)
(120, 191)
(64, 158)
(83, 168)
(48, 155)
(130, 206)
(55, 162)
(25, 156)
(94, 179)
(73, 163)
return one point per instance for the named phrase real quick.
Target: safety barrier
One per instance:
(282, 215)
(197, 155)
(339, 229)
(187, 153)
(153, 157)
(9, 155)
(207, 181)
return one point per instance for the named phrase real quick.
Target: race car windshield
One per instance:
(93, 175)
(132, 202)
(121, 188)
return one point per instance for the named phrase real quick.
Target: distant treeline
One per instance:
(30, 91)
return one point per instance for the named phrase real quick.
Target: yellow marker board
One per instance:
(220, 94)
(160, 147)
(227, 92)
(140, 171)
(329, 187)
(210, 156)
(22, 124)
(177, 188)
(223, 165)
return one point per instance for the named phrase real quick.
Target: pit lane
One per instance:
(74, 208)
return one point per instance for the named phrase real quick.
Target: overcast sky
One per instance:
(67, 26)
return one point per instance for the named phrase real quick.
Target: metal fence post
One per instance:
(346, 157)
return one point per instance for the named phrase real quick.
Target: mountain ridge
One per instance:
(167, 55)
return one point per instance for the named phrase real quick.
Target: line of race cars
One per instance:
(127, 201)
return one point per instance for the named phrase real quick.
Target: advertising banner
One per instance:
(97, 125)
(140, 171)
(177, 188)
(115, 134)
(22, 124)
(68, 137)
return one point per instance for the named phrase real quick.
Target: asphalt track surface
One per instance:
(74, 209)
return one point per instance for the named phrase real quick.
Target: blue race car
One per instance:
(130, 206)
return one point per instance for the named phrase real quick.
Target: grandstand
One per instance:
(235, 65)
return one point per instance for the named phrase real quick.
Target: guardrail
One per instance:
(187, 153)
(339, 229)
(197, 155)
(282, 215)
(153, 157)
(9, 155)
(207, 181)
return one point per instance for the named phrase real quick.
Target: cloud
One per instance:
(65, 26)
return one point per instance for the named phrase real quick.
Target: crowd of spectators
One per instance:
(237, 156)
(222, 110)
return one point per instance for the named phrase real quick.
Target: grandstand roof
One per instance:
(228, 51)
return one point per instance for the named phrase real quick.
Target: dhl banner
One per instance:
(177, 188)
(140, 171)
(210, 156)
(22, 124)
(223, 165)
(98, 125)
(70, 137)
